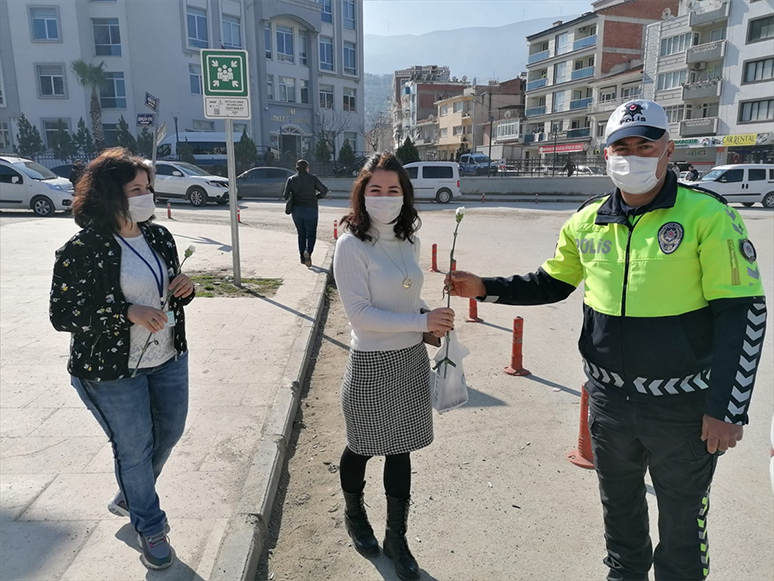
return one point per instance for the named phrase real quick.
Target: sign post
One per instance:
(225, 84)
(152, 103)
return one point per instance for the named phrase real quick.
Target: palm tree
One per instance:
(93, 77)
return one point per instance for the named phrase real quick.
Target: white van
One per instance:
(745, 183)
(435, 180)
(27, 184)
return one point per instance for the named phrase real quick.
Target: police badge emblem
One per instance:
(670, 235)
(748, 250)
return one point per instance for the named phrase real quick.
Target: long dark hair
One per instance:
(99, 199)
(359, 222)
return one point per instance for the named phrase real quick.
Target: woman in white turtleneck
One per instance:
(386, 390)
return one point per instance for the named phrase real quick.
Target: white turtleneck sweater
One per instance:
(383, 314)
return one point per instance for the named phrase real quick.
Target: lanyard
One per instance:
(158, 277)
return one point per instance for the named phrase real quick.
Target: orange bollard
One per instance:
(473, 312)
(335, 229)
(483, 198)
(169, 210)
(582, 456)
(239, 215)
(434, 265)
(516, 367)
(536, 198)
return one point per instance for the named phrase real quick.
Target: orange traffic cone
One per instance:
(583, 456)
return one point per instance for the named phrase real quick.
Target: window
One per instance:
(674, 113)
(350, 99)
(630, 92)
(5, 136)
(200, 125)
(717, 34)
(437, 172)
(287, 89)
(195, 77)
(326, 54)
(7, 174)
(51, 81)
(444, 110)
(232, 32)
(732, 176)
(560, 72)
(762, 70)
(163, 169)
(350, 58)
(558, 102)
(671, 80)
(348, 7)
(444, 132)
(113, 92)
(607, 94)
(327, 10)
(754, 111)
(267, 37)
(676, 44)
(285, 44)
(240, 128)
(270, 87)
(756, 175)
(304, 91)
(562, 43)
(412, 172)
(459, 106)
(760, 29)
(352, 137)
(326, 96)
(50, 129)
(601, 129)
(107, 37)
(303, 47)
(110, 132)
(709, 110)
(45, 24)
(458, 130)
(197, 28)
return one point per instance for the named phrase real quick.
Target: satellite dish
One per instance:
(430, 117)
(507, 114)
(464, 78)
(666, 13)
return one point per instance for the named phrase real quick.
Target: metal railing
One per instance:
(580, 103)
(582, 73)
(532, 85)
(537, 57)
(584, 42)
(580, 132)
(533, 111)
(703, 89)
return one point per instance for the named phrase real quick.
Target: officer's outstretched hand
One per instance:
(464, 284)
(719, 435)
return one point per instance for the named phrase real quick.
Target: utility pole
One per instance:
(556, 135)
(491, 120)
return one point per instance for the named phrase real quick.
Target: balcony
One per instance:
(581, 132)
(429, 140)
(534, 111)
(709, 51)
(703, 89)
(582, 73)
(699, 127)
(580, 103)
(584, 42)
(710, 16)
(537, 57)
(528, 138)
(539, 83)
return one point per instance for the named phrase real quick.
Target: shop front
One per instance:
(707, 152)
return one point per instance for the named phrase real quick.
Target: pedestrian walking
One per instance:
(108, 289)
(569, 167)
(76, 171)
(386, 391)
(693, 174)
(302, 191)
(674, 318)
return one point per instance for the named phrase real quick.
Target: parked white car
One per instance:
(745, 183)
(435, 180)
(178, 179)
(27, 184)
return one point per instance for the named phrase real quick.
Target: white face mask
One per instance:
(141, 208)
(384, 209)
(634, 174)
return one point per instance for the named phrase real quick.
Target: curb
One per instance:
(242, 545)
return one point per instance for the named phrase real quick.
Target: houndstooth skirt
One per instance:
(387, 401)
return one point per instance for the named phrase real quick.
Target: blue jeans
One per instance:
(144, 417)
(305, 220)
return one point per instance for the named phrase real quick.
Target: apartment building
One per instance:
(565, 61)
(455, 124)
(712, 69)
(305, 58)
(622, 84)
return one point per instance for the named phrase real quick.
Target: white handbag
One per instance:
(447, 379)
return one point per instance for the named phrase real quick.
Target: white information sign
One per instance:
(227, 108)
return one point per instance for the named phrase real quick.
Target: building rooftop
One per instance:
(563, 25)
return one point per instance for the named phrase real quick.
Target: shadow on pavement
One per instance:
(178, 571)
(480, 399)
(496, 326)
(542, 381)
(223, 247)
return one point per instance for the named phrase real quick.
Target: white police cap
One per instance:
(638, 118)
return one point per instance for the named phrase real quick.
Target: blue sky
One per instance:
(395, 17)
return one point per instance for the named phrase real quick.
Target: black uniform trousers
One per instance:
(629, 435)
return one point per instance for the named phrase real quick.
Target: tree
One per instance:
(373, 128)
(82, 140)
(29, 141)
(330, 124)
(62, 142)
(145, 143)
(346, 154)
(321, 151)
(407, 152)
(92, 77)
(124, 137)
(245, 151)
(185, 151)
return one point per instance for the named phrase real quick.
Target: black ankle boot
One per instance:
(395, 544)
(358, 527)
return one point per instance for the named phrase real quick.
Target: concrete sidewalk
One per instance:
(56, 470)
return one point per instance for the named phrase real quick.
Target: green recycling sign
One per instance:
(224, 73)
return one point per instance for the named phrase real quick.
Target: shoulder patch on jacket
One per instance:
(707, 192)
(594, 199)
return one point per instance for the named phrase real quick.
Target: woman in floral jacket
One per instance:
(110, 287)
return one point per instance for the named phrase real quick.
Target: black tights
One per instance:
(397, 473)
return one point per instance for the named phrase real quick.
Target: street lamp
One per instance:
(555, 133)
(491, 120)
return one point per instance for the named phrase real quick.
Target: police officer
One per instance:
(674, 317)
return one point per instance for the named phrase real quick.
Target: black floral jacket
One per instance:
(87, 301)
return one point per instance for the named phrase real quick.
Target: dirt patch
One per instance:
(220, 284)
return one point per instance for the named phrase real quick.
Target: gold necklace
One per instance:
(406, 279)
